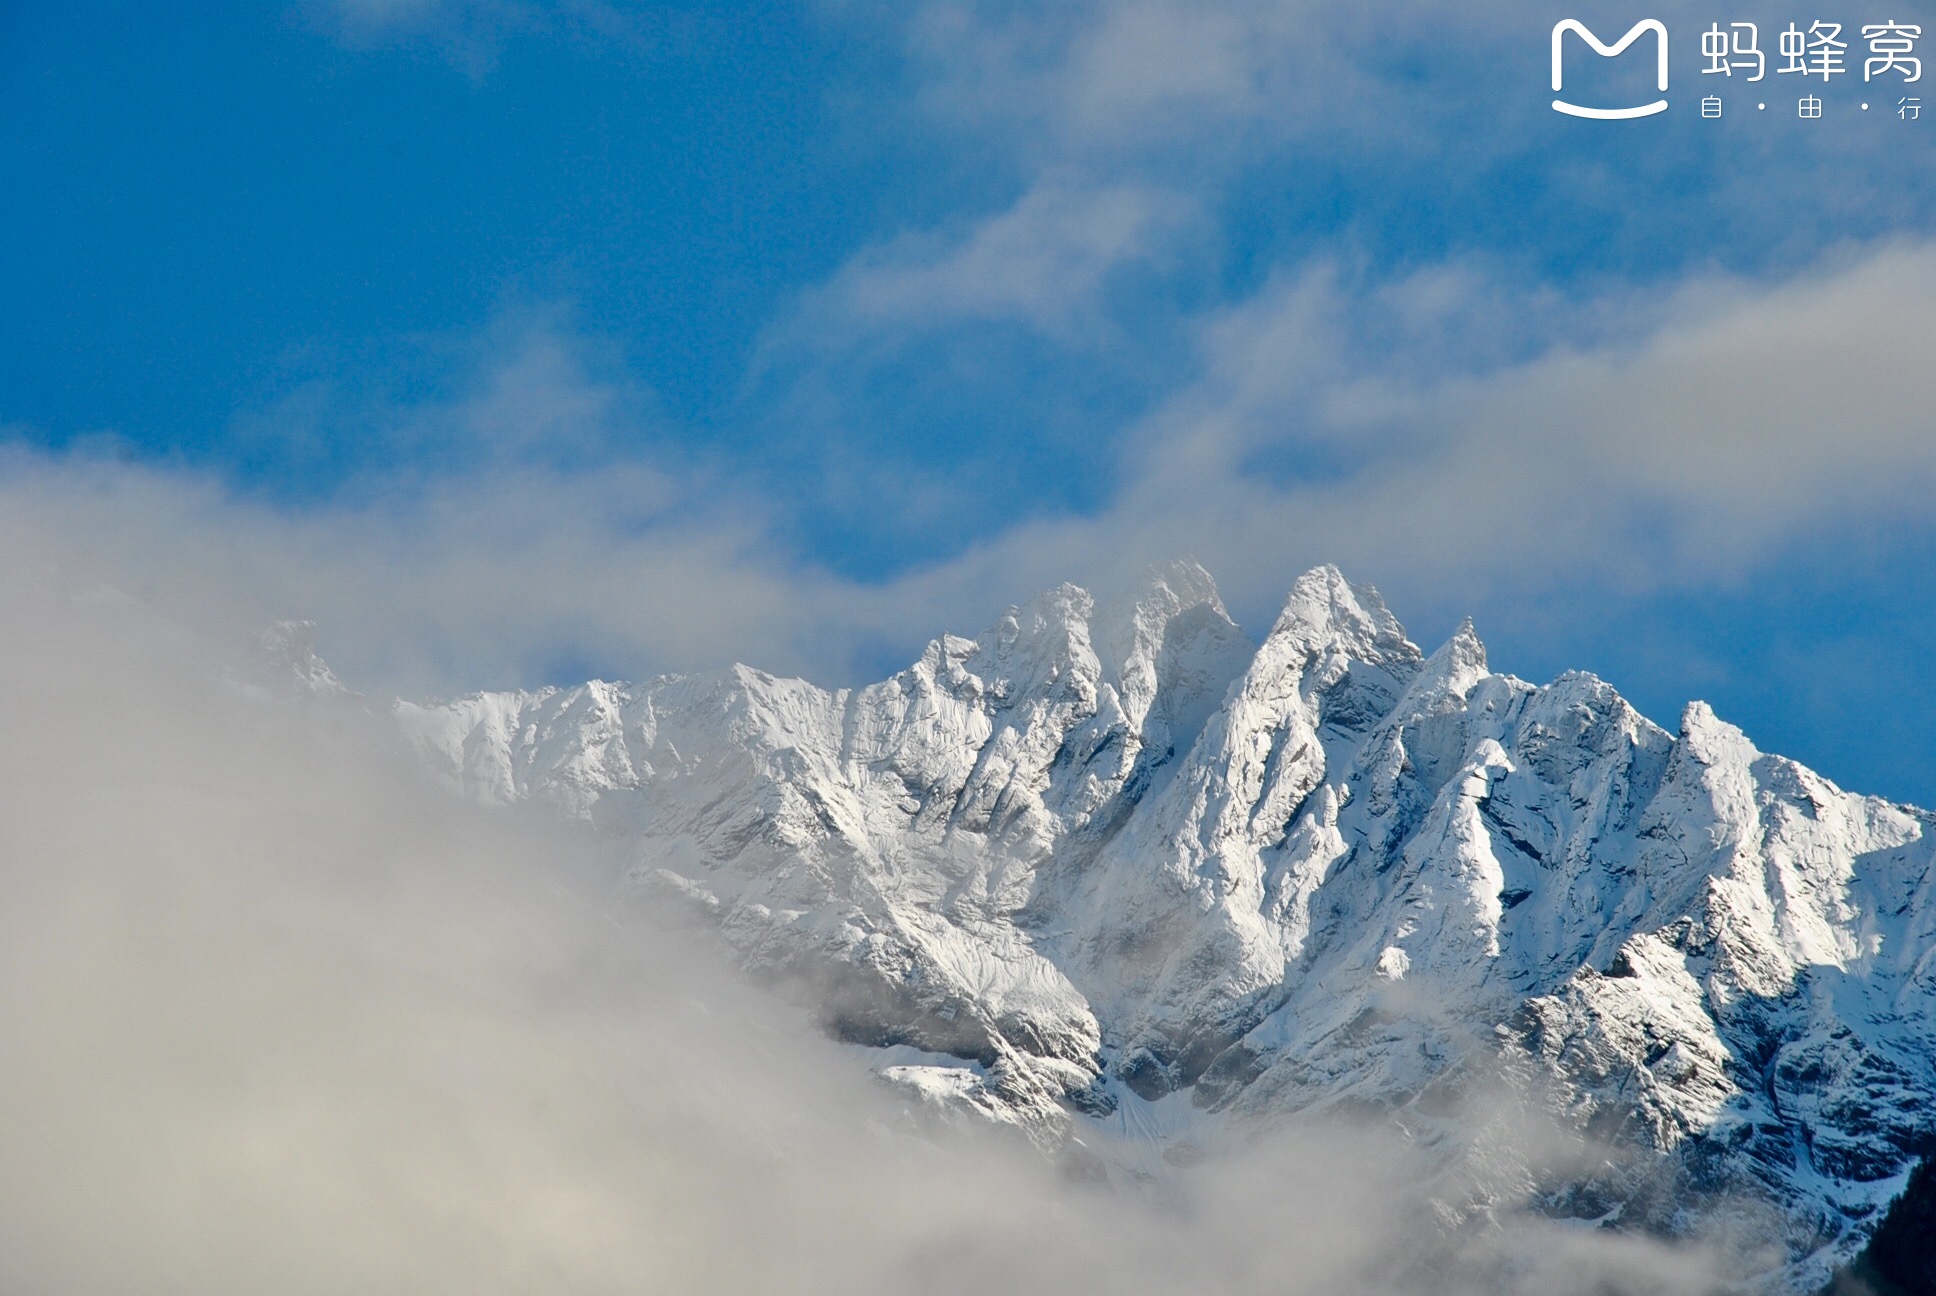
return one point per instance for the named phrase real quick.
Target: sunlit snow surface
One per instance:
(1130, 882)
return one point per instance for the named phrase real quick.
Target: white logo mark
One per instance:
(1609, 51)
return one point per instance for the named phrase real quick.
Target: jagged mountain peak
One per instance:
(1038, 644)
(1708, 738)
(1451, 672)
(1174, 587)
(1465, 647)
(283, 659)
(1172, 647)
(1326, 611)
(1107, 853)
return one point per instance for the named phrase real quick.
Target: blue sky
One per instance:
(518, 340)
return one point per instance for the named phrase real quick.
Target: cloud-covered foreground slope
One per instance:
(1118, 872)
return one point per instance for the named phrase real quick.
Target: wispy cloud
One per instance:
(1045, 262)
(1693, 440)
(1682, 441)
(472, 34)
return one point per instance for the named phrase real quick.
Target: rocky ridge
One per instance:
(1119, 875)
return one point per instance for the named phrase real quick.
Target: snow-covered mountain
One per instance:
(1118, 871)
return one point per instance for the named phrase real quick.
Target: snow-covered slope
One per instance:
(1121, 868)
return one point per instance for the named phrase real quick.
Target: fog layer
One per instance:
(280, 1017)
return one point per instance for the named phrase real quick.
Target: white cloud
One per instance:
(283, 1017)
(1046, 262)
(472, 33)
(481, 579)
(1693, 440)
(1689, 440)
(1200, 87)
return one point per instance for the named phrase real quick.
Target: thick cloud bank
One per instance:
(279, 1017)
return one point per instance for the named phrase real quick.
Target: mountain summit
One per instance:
(1118, 871)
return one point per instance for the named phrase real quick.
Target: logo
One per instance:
(1634, 33)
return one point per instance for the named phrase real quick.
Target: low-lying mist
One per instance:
(279, 1016)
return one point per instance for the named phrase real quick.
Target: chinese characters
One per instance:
(1891, 46)
(1815, 52)
(1819, 51)
(1728, 52)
